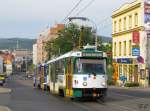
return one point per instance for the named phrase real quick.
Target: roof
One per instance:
(126, 6)
(69, 54)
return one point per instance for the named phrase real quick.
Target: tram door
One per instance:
(69, 78)
(42, 77)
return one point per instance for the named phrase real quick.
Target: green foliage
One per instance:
(106, 48)
(68, 39)
(129, 84)
(110, 82)
(31, 68)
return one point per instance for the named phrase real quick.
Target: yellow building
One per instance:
(130, 36)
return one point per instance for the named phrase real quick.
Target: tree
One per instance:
(69, 39)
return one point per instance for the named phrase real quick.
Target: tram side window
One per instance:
(60, 67)
(52, 68)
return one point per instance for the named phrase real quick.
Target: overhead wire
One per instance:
(78, 3)
(85, 7)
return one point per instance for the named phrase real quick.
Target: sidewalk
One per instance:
(3, 108)
(131, 88)
(5, 90)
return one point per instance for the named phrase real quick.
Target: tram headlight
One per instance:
(104, 84)
(84, 83)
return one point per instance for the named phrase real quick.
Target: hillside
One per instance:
(11, 43)
(105, 39)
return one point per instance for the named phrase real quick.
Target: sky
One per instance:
(27, 18)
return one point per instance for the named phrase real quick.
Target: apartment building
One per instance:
(48, 34)
(130, 42)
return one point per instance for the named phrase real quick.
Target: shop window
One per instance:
(142, 74)
(130, 73)
(120, 70)
(125, 70)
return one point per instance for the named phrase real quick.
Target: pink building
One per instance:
(48, 34)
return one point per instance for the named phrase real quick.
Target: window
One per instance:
(120, 49)
(130, 73)
(124, 23)
(115, 26)
(142, 74)
(130, 46)
(136, 19)
(120, 25)
(125, 48)
(90, 66)
(130, 21)
(115, 49)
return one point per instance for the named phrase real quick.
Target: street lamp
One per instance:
(87, 19)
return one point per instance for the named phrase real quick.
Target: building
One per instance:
(131, 43)
(48, 34)
(23, 57)
(35, 54)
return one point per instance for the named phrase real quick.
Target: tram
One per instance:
(40, 76)
(79, 74)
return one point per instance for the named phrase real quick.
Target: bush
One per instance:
(131, 84)
(111, 82)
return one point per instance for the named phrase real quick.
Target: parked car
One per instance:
(2, 79)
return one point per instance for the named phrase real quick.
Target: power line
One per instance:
(84, 8)
(72, 10)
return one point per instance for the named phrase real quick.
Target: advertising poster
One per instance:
(135, 50)
(136, 37)
(147, 14)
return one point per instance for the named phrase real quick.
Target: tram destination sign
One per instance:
(87, 54)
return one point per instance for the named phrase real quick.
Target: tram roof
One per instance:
(69, 54)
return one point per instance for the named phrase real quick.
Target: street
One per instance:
(23, 97)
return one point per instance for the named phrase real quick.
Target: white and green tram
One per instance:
(79, 74)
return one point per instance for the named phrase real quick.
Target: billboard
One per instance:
(147, 14)
(135, 51)
(136, 37)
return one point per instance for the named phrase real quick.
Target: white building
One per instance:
(35, 54)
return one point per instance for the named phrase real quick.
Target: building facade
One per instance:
(131, 25)
(48, 34)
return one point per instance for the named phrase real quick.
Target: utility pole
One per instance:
(81, 38)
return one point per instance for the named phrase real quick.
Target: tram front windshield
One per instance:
(90, 66)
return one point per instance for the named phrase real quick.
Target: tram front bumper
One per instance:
(90, 92)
